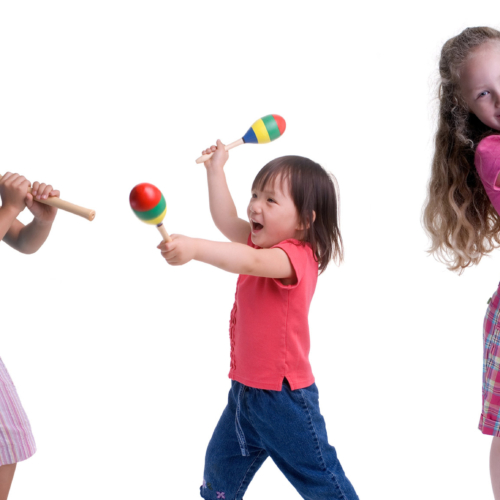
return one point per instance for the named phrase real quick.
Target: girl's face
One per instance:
(273, 216)
(480, 83)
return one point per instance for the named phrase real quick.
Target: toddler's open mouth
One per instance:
(256, 226)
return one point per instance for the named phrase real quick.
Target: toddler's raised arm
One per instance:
(222, 206)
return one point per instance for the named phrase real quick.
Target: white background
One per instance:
(121, 361)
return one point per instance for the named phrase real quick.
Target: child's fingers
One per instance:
(40, 191)
(173, 260)
(9, 176)
(18, 181)
(170, 257)
(166, 247)
(28, 200)
(44, 191)
(211, 149)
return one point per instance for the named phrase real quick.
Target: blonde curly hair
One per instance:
(458, 215)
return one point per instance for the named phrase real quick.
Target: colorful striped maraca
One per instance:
(266, 129)
(150, 206)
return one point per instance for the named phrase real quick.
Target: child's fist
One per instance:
(179, 251)
(219, 157)
(41, 192)
(13, 191)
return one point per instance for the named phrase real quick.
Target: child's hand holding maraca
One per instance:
(42, 212)
(179, 251)
(264, 130)
(13, 191)
(218, 158)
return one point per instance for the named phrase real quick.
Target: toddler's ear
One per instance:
(301, 226)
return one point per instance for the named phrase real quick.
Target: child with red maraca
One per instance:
(273, 410)
(16, 439)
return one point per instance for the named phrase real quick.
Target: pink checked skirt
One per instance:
(16, 440)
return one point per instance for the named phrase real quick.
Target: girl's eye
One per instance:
(482, 94)
(254, 195)
(270, 200)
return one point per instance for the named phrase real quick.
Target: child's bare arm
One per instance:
(222, 206)
(13, 190)
(232, 257)
(15, 197)
(28, 239)
(9, 225)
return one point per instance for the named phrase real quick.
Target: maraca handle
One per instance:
(54, 201)
(163, 232)
(204, 158)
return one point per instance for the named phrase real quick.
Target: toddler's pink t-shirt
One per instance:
(269, 329)
(487, 161)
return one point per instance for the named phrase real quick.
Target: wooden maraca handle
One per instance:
(163, 232)
(204, 158)
(54, 201)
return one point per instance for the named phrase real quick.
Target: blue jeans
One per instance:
(285, 425)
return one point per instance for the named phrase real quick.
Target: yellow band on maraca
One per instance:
(158, 219)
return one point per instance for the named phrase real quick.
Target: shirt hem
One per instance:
(294, 385)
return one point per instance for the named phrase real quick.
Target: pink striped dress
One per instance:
(16, 439)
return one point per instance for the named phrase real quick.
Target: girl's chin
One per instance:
(257, 240)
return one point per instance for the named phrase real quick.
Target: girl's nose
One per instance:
(254, 207)
(497, 98)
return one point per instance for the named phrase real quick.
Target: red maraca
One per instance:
(150, 206)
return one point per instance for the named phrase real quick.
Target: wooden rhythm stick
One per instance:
(150, 206)
(54, 201)
(264, 130)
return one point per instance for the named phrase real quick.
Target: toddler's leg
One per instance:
(234, 453)
(294, 434)
(495, 467)
(6, 476)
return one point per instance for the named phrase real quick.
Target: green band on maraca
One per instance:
(154, 213)
(272, 127)
(158, 219)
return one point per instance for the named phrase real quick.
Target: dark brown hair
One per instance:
(312, 190)
(458, 215)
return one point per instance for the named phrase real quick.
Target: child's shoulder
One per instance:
(487, 158)
(488, 145)
(298, 250)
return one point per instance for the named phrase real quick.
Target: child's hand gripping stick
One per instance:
(54, 201)
(264, 130)
(150, 206)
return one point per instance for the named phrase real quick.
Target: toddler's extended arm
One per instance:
(232, 257)
(222, 206)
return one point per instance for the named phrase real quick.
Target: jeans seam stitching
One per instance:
(239, 431)
(246, 473)
(330, 473)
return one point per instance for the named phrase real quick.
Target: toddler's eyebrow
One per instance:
(265, 191)
(268, 191)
